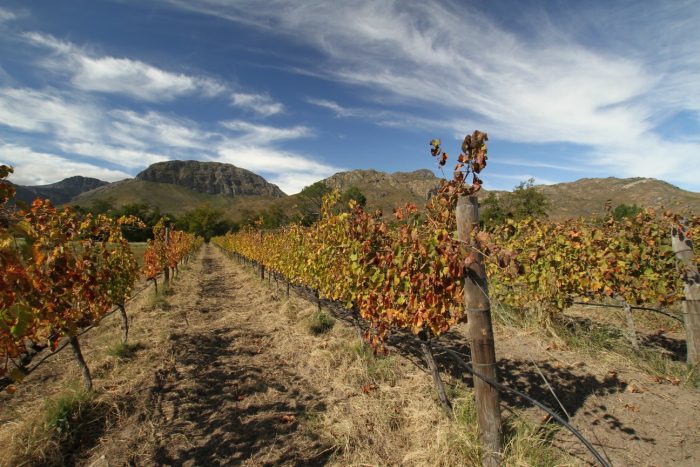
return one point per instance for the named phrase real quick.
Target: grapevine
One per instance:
(71, 271)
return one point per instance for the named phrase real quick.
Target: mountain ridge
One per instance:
(214, 178)
(176, 186)
(60, 192)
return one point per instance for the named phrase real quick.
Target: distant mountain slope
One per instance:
(387, 190)
(184, 185)
(587, 196)
(170, 198)
(59, 192)
(213, 178)
(584, 197)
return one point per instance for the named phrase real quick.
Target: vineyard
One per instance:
(419, 288)
(67, 274)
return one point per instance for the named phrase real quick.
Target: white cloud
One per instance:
(155, 129)
(263, 134)
(39, 168)
(543, 165)
(261, 104)
(125, 157)
(133, 140)
(291, 172)
(48, 112)
(517, 179)
(602, 77)
(333, 106)
(125, 76)
(6, 15)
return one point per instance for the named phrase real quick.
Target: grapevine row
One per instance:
(408, 273)
(61, 272)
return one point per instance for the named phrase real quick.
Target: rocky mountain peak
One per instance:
(210, 177)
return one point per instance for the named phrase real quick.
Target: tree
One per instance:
(522, 203)
(309, 202)
(274, 217)
(624, 210)
(492, 211)
(101, 206)
(204, 221)
(353, 193)
(150, 215)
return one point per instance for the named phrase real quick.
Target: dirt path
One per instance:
(221, 397)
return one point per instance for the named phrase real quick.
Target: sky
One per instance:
(299, 90)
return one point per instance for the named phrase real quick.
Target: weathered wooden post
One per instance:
(483, 352)
(683, 248)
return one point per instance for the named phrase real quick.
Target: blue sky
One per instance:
(299, 90)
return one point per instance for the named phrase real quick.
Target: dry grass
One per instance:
(50, 420)
(384, 410)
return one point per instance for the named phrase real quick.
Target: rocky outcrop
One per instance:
(213, 178)
(59, 192)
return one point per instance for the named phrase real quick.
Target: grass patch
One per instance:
(585, 334)
(657, 363)
(158, 301)
(524, 442)
(123, 351)
(63, 411)
(321, 322)
(380, 369)
(595, 338)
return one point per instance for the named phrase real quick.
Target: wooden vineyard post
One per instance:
(683, 248)
(166, 270)
(483, 352)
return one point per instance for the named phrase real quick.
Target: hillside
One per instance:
(179, 186)
(212, 178)
(387, 190)
(587, 196)
(170, 198)
(584, 197)
(59, 192)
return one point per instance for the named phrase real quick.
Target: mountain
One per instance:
(584, 197)
(179, 186)
(59, 192)
(587, 196)
(212, 178)
(387, 190)
(171, 198)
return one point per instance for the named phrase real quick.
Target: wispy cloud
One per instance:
(6, 15)
(264, 134)
(517, 179)
(40, 168)
(51, 112)
(333, 106)
(598, 76)
(125, 138)
(125, 76)
(125, 157)
(260, 104)
(541, 165)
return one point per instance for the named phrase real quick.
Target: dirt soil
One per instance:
(218, 396)
(214, 381)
